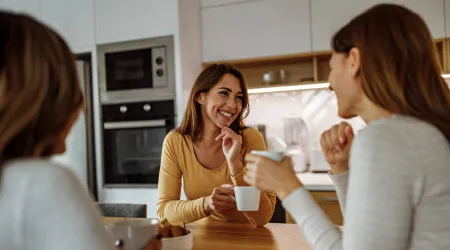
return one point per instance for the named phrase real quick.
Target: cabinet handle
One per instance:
(329, 199)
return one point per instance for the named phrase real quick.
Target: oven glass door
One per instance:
(133, 151)
(128, 70)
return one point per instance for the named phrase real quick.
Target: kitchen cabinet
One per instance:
(432, 12)
(326, 20)
(255, 29)
(74, 20)
(31, 7)
(119, 20)
(329, 203)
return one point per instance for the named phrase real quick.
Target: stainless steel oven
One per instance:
(133, 134)
(136, 70)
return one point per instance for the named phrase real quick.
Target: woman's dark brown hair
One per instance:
(400, 69)
(209, 77)
(39, 89)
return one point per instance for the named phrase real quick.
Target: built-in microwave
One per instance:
(137, 70)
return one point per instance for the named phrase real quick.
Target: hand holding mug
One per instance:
(274, 174)
(135, 234)
(336, 143)
(220, 199)
(154, 244)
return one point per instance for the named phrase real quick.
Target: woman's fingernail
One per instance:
(341, 140)
(158, 237)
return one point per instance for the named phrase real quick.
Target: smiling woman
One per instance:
(208, 151)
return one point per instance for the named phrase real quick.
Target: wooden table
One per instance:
(235, 236)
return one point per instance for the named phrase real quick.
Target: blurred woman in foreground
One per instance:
(42, 205)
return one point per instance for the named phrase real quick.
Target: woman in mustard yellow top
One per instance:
(207, 151)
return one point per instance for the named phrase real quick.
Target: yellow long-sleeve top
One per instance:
(178, 161)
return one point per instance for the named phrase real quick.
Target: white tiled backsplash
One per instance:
(318, 108)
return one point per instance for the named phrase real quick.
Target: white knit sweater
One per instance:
(397, 196)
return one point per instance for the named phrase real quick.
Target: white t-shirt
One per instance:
(44, 206)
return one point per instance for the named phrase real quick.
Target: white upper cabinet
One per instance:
(254, 29)
(121, 20)
(73, 19)
(432, 11)
(31, 7)
(326, 20)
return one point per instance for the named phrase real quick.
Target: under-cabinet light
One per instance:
(289, 88)
(300, 87)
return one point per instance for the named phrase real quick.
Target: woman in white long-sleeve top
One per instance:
(392, 179)
(43, 206)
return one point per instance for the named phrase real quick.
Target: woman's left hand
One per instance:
(271, 176)
(231, 144)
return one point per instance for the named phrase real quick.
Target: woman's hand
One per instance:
(231, 146)
(271, 176)
(220, 199)
(336, 143)
(154, 244)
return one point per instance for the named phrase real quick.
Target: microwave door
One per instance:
(129, 70)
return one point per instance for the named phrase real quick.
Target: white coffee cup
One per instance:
(132, 234)
(273, 155)
(247, 198)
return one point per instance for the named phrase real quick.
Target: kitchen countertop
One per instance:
(316, 181)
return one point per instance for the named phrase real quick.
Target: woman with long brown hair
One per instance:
(207, 153)
(43, 206)
(392, 180)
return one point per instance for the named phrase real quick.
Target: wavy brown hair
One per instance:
(400, 69)
(39, 88)
(209, 77)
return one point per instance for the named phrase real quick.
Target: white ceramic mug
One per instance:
(132, 234)
(247, 198)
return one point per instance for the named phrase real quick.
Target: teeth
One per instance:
(225, 113)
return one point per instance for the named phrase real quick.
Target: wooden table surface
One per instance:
(235, 236)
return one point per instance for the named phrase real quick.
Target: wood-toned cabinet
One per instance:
(329, 203)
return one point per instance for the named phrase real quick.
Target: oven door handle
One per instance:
(134, 124)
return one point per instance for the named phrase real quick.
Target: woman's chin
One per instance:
(224, 122)
(345, 115)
